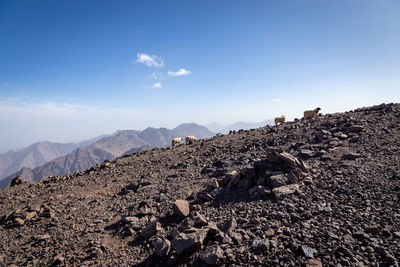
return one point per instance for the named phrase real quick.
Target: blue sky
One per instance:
(71, 70)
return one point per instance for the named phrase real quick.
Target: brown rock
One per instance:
(181, 208)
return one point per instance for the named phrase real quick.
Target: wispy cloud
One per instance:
(180, 72)
(149, 61)
(276, 100)
(157, 85)
(156, 75)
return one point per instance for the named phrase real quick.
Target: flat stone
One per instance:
(305, 153)
(284, 191)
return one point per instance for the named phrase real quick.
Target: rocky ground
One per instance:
(320, 192)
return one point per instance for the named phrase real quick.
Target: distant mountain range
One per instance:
(218, 128)
(32, 156)
(38, 154)
(76, 158)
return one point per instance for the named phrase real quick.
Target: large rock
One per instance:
(278, 180)
(151, 229)
(284, 191)
(190, 242)
(211, 255)
(181, 208)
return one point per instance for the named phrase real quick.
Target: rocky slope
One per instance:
(321, 192)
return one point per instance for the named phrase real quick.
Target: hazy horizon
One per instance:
(74, 70)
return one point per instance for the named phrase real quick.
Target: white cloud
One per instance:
(157, 85)
(276, 100)
(156, 75)
(180, 72)
(149, 61)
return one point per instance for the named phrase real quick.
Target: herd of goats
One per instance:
(308, 114)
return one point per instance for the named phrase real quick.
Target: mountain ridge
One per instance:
(107, 148)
